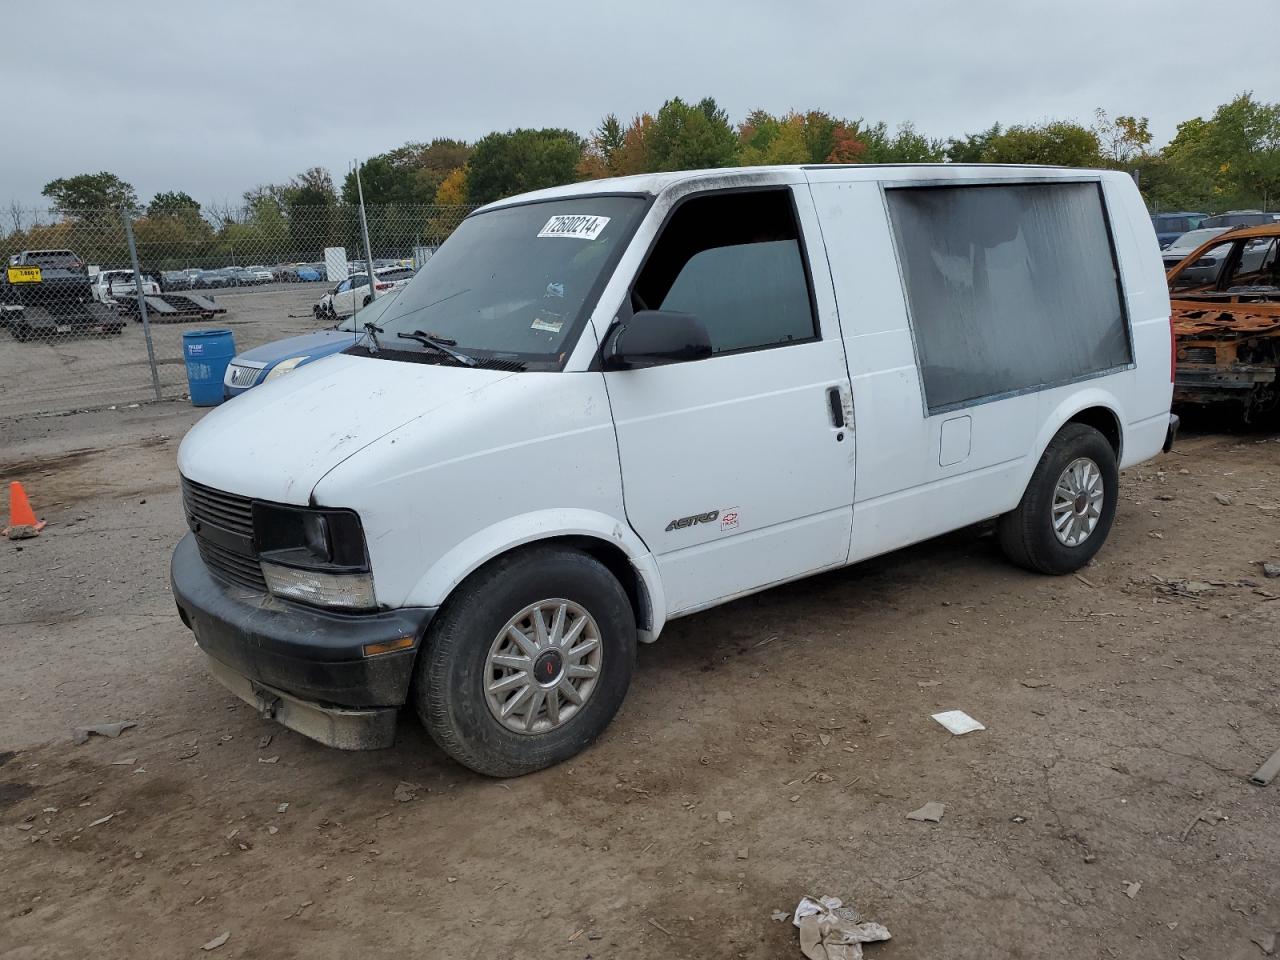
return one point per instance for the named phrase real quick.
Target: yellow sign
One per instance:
(24, 274)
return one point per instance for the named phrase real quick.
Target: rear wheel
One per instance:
(527, 662)
(1068, 507)
(22, 333)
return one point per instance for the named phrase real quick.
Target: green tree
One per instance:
(87, 193)
(171, 203)
(690, 137)
(503, 164)
(1055, 142)
(383, 182)
(1232, 159)
(973, 147)
(905, 145)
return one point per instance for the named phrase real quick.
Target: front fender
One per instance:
(499, 538)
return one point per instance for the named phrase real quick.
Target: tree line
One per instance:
(1230, 160)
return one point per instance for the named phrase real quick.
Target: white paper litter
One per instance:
(958, 722)
(831, 931)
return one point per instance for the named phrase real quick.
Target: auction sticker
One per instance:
(574, 226)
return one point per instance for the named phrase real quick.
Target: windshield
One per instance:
(514, 283)
(1189, 241)
(370, 314)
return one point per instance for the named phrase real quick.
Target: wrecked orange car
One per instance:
(1225, 312)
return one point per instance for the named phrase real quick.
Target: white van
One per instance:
(603, 406)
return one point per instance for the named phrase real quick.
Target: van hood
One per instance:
(276, 441)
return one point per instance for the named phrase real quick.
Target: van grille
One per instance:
(209, 508)
(227, 510)
(241, 376)
(246, 571)
(1199, 355)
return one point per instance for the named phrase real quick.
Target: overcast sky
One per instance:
(215, 102)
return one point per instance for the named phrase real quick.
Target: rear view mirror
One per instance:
(651, 338)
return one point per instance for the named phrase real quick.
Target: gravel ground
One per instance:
(769, 748)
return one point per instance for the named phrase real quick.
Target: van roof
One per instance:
(655, 183)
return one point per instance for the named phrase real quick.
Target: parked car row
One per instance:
(353, 293)
(1170, 226)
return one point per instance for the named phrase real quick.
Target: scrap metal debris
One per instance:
(406, 791)
(111, 730)
(831, 931)
(1268, 771)
(931, 812)
(958, 722)
(217, 941)
(1210, 817)
(1131, 888)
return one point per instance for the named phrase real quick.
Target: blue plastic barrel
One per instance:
(207, 353)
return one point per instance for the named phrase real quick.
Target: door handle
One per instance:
(837, 407)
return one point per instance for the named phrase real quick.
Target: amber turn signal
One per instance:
(387, 646)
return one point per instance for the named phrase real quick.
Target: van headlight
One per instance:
(314, 555)
(344, 591)
(283, 367)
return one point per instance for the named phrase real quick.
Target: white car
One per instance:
(353, 293)
(106, 283)
(606, 405)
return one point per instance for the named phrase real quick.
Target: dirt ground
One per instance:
(1119, 706)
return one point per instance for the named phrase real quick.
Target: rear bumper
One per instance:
(310, 661)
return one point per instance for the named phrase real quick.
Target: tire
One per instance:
(1027, 534)
(22, 333)
(454, 666)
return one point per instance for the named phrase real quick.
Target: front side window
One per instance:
(1010, 287)
(735, 262)
(516, 283)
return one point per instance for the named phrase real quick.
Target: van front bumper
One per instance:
(302, 666)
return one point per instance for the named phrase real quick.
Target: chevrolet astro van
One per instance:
(607, 405)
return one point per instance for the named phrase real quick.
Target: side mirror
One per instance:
(651, 338)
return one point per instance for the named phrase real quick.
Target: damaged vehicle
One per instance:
(1225, 303)
(601, 407)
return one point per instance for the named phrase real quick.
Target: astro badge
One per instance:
(574, 226)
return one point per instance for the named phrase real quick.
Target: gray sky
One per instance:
(217, 101)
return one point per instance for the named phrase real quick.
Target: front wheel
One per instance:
(527, 662)
(1068, 507)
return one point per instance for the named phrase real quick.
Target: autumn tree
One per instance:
(813, 137)
(1122, 141)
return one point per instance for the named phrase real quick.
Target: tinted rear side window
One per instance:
(54, 259)
(1010, 288)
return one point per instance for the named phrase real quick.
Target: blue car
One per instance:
(280, 357)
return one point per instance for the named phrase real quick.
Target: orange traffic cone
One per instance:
(22, 519)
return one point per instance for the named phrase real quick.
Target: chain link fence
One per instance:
(94, 305)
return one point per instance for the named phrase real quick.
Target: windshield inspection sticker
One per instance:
(547, 324)
(574, 226)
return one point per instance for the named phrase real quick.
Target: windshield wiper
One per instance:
(372, 329)
(440, 345)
